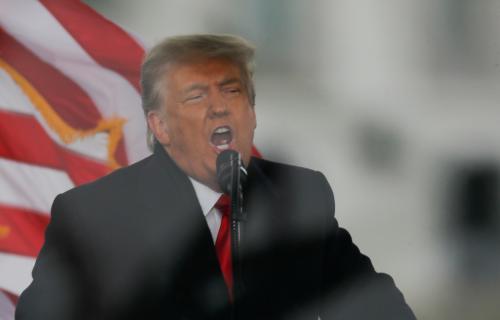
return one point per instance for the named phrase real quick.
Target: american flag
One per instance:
(69, 113)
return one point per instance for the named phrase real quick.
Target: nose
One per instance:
(218, 106)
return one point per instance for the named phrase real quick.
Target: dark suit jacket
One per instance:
(135, 245)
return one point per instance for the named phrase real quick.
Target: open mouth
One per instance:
(222, 137)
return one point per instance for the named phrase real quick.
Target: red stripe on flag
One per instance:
(81, 169)
(23, 139)
(120, 153)
(23, 230)
(107, 43)
(69, 101)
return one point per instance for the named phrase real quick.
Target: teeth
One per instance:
(221, 130)
(223, 147)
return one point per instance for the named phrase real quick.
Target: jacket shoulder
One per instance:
(272, 168)
(301, 184)
(288, 175)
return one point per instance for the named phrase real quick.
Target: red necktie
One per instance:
(223, 242)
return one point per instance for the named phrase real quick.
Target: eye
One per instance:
(232, 91)
(194, 98)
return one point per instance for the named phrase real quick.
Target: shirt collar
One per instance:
(206, 196)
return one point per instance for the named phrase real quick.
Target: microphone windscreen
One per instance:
(224, 164)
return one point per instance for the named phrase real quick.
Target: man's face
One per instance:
(205, 111)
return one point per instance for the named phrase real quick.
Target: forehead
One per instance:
(205, 71)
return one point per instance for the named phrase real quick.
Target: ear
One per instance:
(254, 116)
(158, 125)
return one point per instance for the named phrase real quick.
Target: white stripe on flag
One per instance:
(38, 30)
(12, 97)
(7, 309)
(15, 272)
(31, 187)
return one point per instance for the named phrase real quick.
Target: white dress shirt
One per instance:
(207, 199)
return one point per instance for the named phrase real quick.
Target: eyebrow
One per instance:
(195, 86)
(199, 86)
(229, 81)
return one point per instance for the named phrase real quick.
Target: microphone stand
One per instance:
(231, 175)
(237, 216)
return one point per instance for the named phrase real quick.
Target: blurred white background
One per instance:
(397, 102)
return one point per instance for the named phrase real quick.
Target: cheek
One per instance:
(177, 128)
(254, 120)
(251, 122)
(176, 134)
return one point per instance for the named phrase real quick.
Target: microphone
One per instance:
(230, 171)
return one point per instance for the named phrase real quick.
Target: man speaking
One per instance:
(156, 240)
